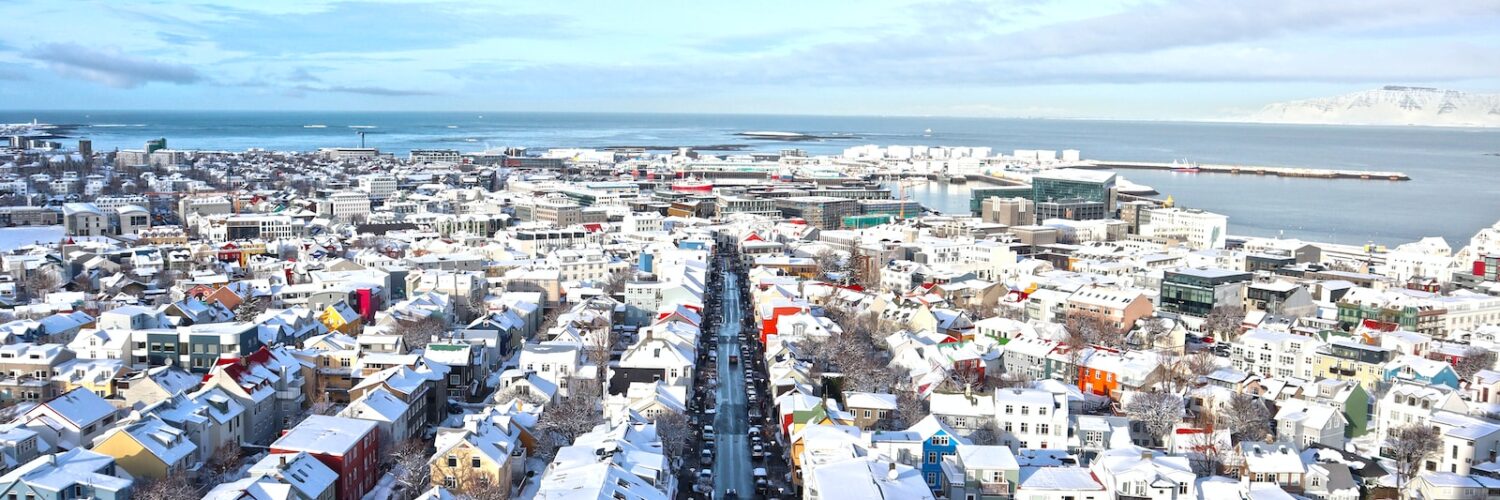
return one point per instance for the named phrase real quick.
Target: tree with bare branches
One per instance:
(225, 462)
(910, 409)
(417, 334)
(1409, 446)
(676, 435)
(1247, 418)
(564, 421)
(176, 485)
(1223, 322)
(1158, 412)
(40, 283)
(249, 308)
(411, 464)
(1474, 360)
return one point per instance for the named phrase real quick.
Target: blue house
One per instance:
(1421, 370)
(76, 473)
(938, 441)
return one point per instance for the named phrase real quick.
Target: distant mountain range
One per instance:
(1392, 105)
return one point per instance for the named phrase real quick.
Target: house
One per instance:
(1268, 464)
(965, 412)
(26, 371)
(391, 415)
(1407, 403)
(557, 362)
(281, 475)
(269, 383)
(623, 460)
(1351, 400)
(1330, 480)
(865, 477)
(1421, 370)
(1305, 422)
(1115, 308)
(348, 446)
(938, 441)
(1271, 353)
(148, 448)
(486, 450)
(1031, 419)
(1142, 473)
(421, 388)
(871, 410)
(463, 364)
(71, 420)
(154, 384)
(1059, 483)
(72, 474)
(981, 473)
(211, 419)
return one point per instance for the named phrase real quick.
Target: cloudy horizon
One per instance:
(1190, 59)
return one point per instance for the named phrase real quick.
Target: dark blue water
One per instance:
(1453, 192)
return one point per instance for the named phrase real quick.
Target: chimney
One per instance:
(1146, 455)
(283, 460)
(890, 472)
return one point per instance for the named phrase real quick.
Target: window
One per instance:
(931, 457)
(474, 462)
(452, 460)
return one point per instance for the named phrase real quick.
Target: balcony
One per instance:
(993, 488)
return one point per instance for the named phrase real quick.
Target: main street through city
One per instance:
(732, 467)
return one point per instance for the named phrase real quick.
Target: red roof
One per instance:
(753, 237)
(593, 227)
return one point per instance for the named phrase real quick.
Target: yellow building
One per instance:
(480, 456)
(1353, 361)
(148, 448)
(339, 317)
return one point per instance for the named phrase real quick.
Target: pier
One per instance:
(1310, 173)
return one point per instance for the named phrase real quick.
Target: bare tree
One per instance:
(474, 484)
(225, 462)
(1012, 380)
(1409, 446)
(565, 420)
(910, 409)
(40, 283)
(1223, 322)
(417, 334)
(1158, 412)
(411, 465)
(676, 435)
(175, 485)
(1474, 360)
(615, 284)
(1247, 417)
(986, 434)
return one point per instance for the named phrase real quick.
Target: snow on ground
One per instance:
(12, 238)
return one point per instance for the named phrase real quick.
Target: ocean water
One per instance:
(1454, 190)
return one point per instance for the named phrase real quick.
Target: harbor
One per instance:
(1302, 172)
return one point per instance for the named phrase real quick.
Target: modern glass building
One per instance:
(1195, 292)
(1073, 194)
(978, 195)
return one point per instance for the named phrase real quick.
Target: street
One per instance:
(732, 467)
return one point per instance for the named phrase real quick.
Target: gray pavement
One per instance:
(732, 467)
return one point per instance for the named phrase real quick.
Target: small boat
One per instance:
(315, 126)
(453, 126)
(1186, 168)
(361, 126)
(927, 132)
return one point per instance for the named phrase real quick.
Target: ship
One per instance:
(693, 186)
(1186, 168)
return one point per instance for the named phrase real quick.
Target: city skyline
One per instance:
(1168, 60)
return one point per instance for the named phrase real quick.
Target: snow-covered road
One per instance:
(732, 468)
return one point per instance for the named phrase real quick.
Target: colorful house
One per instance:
(1421, 370)
(349, 446)
(342, 318)
(938, 441)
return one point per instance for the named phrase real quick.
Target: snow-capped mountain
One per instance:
(1392, 105)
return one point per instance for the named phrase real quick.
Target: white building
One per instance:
(1195, 228)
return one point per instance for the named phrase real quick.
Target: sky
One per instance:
(1133, 59)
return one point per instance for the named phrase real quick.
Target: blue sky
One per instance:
(1102, 59)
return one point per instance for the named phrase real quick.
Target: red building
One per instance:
(349, 446)
(776, 309)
